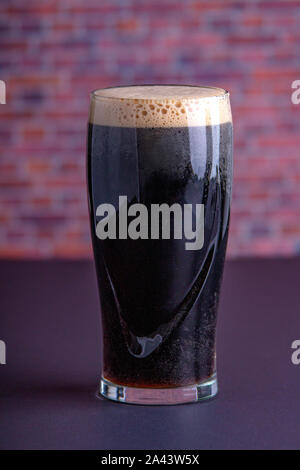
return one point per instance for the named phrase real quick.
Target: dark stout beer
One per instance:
(159, 299)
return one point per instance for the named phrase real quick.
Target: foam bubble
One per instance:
(160, 106)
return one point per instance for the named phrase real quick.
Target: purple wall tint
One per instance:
(53, 53)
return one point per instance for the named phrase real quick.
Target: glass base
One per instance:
(159, 396)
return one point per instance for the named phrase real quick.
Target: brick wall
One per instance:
(54, 52)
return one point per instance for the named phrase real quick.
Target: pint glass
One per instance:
(159, 170)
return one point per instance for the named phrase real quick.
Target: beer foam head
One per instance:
(160, 106)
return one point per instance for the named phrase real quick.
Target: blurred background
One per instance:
(54, 52)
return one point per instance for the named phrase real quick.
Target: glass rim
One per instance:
(94, 93)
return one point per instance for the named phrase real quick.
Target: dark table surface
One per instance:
(50, 324)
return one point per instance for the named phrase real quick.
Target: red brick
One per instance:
(33, 132)
(54, 53)
(40, 201)
(14, 183)
(38, 166)
(128, 25)
(252, 20)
